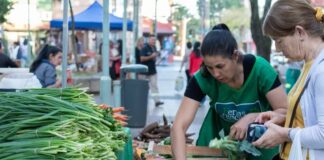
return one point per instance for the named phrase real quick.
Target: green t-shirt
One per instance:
(228, 105)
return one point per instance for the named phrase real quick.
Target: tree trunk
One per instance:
(74, 50)
(263, 43)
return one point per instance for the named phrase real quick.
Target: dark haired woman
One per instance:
(239, 87)
(44, 66)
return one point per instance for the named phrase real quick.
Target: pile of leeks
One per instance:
(57, 124)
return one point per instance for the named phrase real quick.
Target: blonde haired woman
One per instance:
(298, 31)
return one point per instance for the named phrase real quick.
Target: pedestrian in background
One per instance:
(185, 61)
(5, 61)
(195, 59)
(148, 58)
(298, 31)
(44, 66)
(23, 53)
(138, 48)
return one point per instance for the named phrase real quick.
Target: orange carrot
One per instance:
(123, 123)
(118, 109)
(120, 117)
(104, 106)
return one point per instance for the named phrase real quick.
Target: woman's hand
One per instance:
(239, 129)
(274, 136)
(271, 117)
(58, 83)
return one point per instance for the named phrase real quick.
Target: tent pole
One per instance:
(105, 80)
(124, 32)
(65, 42)
(29, 53)
(155, 20)
(135, 29)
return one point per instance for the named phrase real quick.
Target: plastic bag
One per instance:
(296, 151)
(20, 81)
(179, 83)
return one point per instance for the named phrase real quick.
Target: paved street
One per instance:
(172, 99)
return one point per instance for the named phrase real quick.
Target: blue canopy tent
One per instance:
(91, 19)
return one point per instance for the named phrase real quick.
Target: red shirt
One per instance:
(194, 63)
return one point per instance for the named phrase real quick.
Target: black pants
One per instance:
(188, 76)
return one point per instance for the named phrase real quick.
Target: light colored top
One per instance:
(312, 105)
(298, 121)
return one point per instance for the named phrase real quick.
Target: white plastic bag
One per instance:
(179, 84)
(20, 81)
(296, 151)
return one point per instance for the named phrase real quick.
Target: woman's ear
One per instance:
(51, 55)
(236, 55)
(301, 33)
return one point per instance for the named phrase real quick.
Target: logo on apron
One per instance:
(232, 112)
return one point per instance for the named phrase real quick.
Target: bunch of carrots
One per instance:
(116, 111)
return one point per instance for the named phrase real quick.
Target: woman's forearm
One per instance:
(178, 143)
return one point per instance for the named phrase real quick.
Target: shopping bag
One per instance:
(179, 83)
(296, 151)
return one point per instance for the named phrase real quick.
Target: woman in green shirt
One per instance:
(239, 88)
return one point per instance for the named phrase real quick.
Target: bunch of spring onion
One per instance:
(57, 124)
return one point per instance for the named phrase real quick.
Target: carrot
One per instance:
(120, 117)
(103, 106)
(118, 109)
(123, 123)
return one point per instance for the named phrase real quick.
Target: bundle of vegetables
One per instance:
(235, 150)
(57, 124)
(159, 133)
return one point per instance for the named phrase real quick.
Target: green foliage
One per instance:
(44, 5)
(5, 7)
(216, 7)
(181, 12)
(235, 150)
(236, 18)
(193, 28)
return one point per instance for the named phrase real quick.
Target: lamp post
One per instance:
(105, 80)
(135, 29)
(65, 42)
(29, 37)
(124, 32)
(155, 20)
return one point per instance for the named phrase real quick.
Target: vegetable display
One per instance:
(158, 133)
(57, 124)
(235, 150)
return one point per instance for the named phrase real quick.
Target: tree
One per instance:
(181, 12)
(180, 16)
(5, 7)
(216, 7)
(263, 43)
(193, 28)
(44, 5)
(236, 18)
(73, 38)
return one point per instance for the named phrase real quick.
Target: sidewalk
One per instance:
(172, 99)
